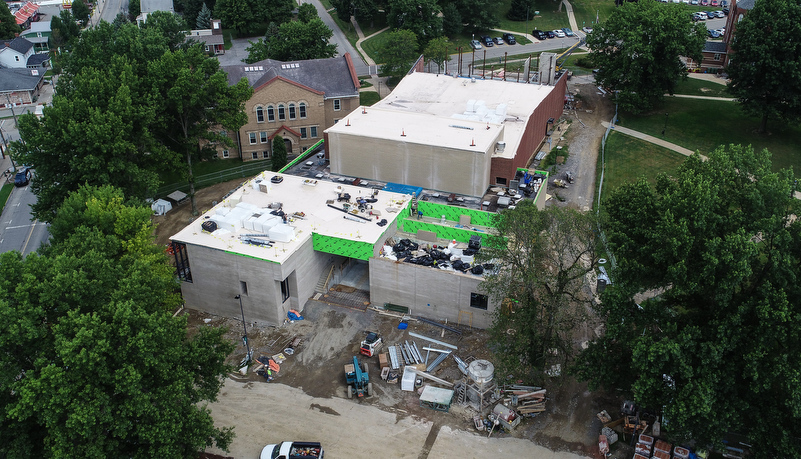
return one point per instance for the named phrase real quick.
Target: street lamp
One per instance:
(244, 338)
(663, 129)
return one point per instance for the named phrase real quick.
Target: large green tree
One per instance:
(81, 12)
(521, 10)
(295, 41)
(478, 14)
(438, 50)
(419, 16)
(717, 250)
(8, 23)
(170, 25)
(194, 100)
(94, 364)
(765, 68)
(399, 53)
(279, 159)
(203, 20)
(638, 49)
(541, 260)
(234, 14)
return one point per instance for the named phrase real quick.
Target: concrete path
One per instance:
(711, 77)
(653, 140)
(362, 38)
(688, 96)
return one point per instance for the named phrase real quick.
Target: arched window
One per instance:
(302, 109)
(259, 114)
(292, 111)
(270, 113)
(281, 112)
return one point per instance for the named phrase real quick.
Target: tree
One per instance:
(716, 346)
(451, 20)
(307, 12)
(134, 9)
(365, 11)
(478, 14)
(94, 363)
(399, 53)
(234, 14)
(295, 41)
(192, 10)
(81, 12)
(521, 10)
(438, 50)
(170, 25)
(195, 100)
(203, 18)
(344, 9)
(642, 62)
(767, 61)
(8, 23)
(65, 31)
(419, 16)
(279, 153)
(278, 11)
(541, 259)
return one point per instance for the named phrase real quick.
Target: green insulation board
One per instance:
(452, 213)
(412, 225)
(344, 247)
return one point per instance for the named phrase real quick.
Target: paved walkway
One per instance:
(653, 140)
(688, 96)
(708, 77)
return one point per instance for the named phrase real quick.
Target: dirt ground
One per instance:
(330, 334)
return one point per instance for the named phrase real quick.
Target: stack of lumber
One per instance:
(527, 400)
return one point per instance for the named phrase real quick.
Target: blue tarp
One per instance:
(403, 189)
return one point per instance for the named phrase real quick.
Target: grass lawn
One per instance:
(5, 192)
(368, 98)
(201, 168)
(695, 87)
(704, 125)
(628, 159)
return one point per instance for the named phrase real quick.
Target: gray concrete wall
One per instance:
(431, 293)
(217, 275)
(429, 166)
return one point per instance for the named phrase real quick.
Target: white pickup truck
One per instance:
(293, 450)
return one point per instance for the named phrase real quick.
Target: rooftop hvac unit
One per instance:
(500, 146)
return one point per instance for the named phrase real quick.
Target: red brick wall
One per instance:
(534, 134)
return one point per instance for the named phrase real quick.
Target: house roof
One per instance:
(745, 4)
(208, 39)
(39, 26)
(333, 77)
(715, 47)
(151, 6)
(38, 59)
(19, 44)
(19, 79)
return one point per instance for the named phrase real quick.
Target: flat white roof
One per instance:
(299, 195)
(429, 109)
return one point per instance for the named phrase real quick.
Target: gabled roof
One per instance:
(151, 6)
(39, 26)
(37, 59)
(207, 39)
(19, 44)
(745, 4)
(19, 79)
(333, 77)
(283, 127)
(714, 47)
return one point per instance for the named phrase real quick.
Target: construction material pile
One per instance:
(526, 400)
(451, 257)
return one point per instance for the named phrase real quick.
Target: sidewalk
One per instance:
(653, 140)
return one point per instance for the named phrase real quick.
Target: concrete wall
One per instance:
(429, 166)
(217, 275)
(429, 292)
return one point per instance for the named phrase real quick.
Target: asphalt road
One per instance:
(18, 231)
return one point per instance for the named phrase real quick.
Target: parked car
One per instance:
(568, 32)
(587, 29)
(693, 2)
(539, 34)
(720, 13)
(487, 40)
(498, 40)
(721, 31)
(700, 15)
(475, 44)
(711, 14)
(551, 34)
(23, 176)
(704, 2)
(559, 34)
(713, 33)
(509, 38)
(725, 11)
(715, 3)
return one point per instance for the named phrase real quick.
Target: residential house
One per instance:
(151, 6)
(19, 53)
(39, 35)
(296, 100)
(20, 85)
(211, 38)
(27, 14)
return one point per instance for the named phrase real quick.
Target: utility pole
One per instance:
(11, 106)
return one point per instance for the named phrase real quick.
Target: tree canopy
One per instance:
(81, 12)
(438, 50)
(717, 248)
(419, 16)
(64, 30)
(637, 51)
(279, 153)
(8, 23)
(296, 40)
(541, 259)
(399, 53)
(234, 14)
(765, 68)
(94, 363)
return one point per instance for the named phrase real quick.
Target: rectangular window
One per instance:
(263, 136)
(284, 290)
(336, 121)
(270, 114)
(266, 154)
(313, 132)
(225, 153)
(207, 48)
(259, 115)
(252, 137)
(292, 111)
(255, 155)
(281, 113)
(717, 56)
(500, 180)
(337, 105)
(302, 133)
(243, 288)
(181, 261)
(478, 301)
(302, 110)
(16, 58)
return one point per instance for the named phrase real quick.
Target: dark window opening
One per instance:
(182, 270)
(500, 180)
(478, 301)
(284, 289)
(243, 287)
